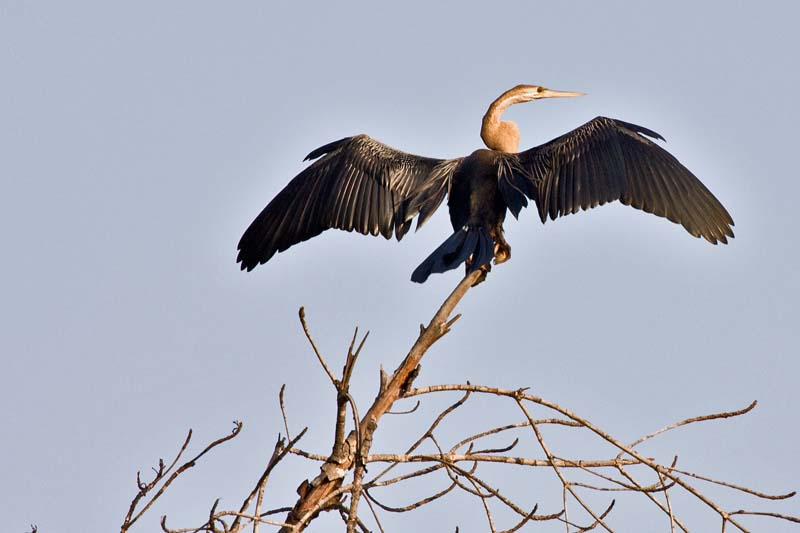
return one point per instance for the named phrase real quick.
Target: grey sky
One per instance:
(138, 140)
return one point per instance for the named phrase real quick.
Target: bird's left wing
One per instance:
(356, 183)
(608, 159)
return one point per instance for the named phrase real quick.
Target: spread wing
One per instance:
(606, 160)
(356, 184)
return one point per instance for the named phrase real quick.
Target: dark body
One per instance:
(477, 210)
(475, 199)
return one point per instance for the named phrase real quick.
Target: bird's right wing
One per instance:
(356, 184)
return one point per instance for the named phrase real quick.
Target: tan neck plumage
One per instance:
(502, 136)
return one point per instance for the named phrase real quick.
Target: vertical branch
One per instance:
(669, 504)
(279, 452)
(283, 411)
(355, 496)
(333, 471)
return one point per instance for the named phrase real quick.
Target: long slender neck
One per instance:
(502, 135)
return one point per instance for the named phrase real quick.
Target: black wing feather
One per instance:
(356, 183)
(426, 199)
(608, 159)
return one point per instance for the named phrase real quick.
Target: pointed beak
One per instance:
(549, 93)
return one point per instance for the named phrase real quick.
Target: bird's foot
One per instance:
(502, 252)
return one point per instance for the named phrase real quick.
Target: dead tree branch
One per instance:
(332, 472)
(466, 466)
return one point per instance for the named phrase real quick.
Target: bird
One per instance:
(360, 184)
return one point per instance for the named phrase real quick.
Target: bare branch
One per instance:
(714, 416)
(302, 314)
(486, 458)
(740, 488)
(163, 472)
(324, 485)
(406, 412)
(773, 515)
(411, 506)
(283, 411)
(278, 454)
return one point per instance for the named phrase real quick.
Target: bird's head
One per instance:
(526, 93)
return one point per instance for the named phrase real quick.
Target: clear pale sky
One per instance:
(138, 140)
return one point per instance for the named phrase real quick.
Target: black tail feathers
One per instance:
(455, 250)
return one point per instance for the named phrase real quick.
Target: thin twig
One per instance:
(669, 504)
(185, 466)
(411, 506)
(302, 314)
(406, 412)
(283, 411)
(790, 518)
(145, 488)
(279, 452)
(372, 509)
(713, 416)
(736, 487)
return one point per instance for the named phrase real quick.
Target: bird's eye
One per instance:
(540, 89)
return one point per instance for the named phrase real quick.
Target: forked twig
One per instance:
(162, 472)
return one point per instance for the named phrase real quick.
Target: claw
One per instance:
(502, 252)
